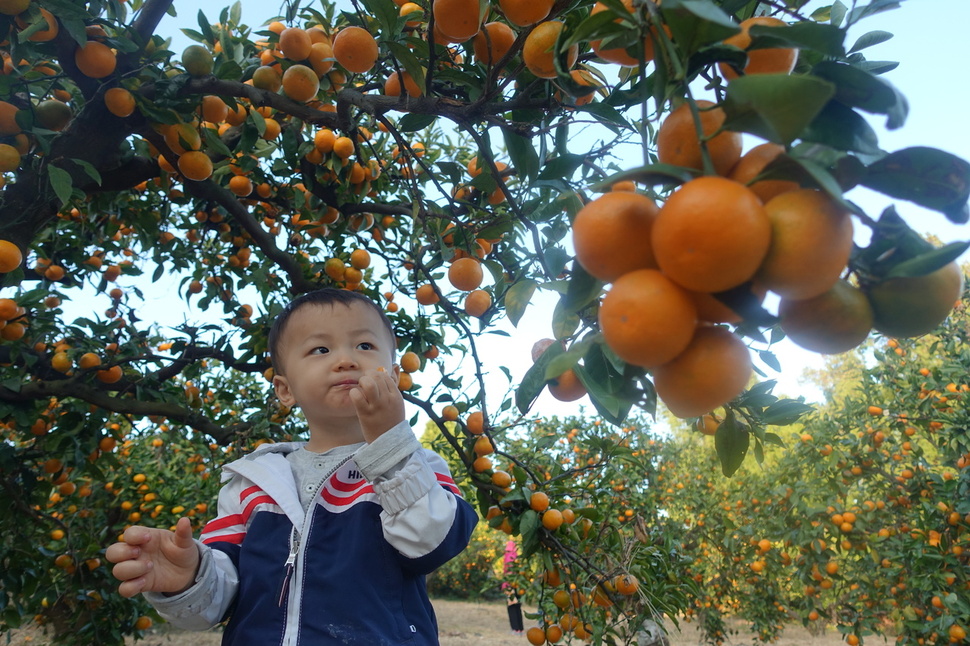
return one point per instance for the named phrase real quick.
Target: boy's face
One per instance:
(324, 350)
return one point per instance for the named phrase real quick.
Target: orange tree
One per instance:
(861, 521)
(434, 164)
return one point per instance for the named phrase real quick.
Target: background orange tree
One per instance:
(861, 522)
(435, 164)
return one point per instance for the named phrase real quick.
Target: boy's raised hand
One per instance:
(155, 560)
(379, 403)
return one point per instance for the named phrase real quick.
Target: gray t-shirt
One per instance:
(310, 468)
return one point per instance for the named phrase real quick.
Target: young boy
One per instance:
(326, 542)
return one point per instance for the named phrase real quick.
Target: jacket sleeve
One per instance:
(424, 518)
(206, 603)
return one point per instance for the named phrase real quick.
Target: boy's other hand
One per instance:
(379, 403)
(155, 560)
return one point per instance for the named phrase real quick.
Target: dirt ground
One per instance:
(460, 624)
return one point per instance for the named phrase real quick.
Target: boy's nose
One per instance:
(346, 361)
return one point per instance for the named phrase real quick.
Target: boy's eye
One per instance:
(366, 346)
(320, 350)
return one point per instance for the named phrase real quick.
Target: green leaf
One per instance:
(777, 107)
(88, 168)
(842, 128)
(651, 175)
(206, 28)
(695, 24)
(564, 321)
(583, 289)
(929, 262)
(412, 65)
(412, 122)
(784, 412)
(214, 143)
(522, 153)
(517, 299)
(534, 379)
(825, 39)
(606, 115)
(869, 39)
(60, 181)
(731, 442)
(529, 525)
(926, 176)
(860, 89)
(561, 167)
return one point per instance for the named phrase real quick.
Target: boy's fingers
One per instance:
(132, 571)
(130, 588)
(136, 535)
(119, 552)
(183, 533)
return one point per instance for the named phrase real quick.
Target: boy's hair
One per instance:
(324, 296)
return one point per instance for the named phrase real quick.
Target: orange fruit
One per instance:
(539, 501)
(410, 362)
(483, 446)
(14, 7)
(267, 78)
(492, 42)
(61, 362)
(567, 387)
(620, 55)
(10, 256)
(457, 19)
(536, 636)
(679, 145)
(295, 43)
(773, 60)
(711, 235)
(913, 306)
(481, 464)
(143, 623)
(612, 235)
(241, 185)
(214, 109)
(708, 424)
(552, 519)
(300, 83)
(466, 274)
(646, 318)
(834, 321)
(197, 60)
(477, 302)
(195, 165)
(397, 81)
(110, 375)
(425, 294)
(626, 584)
(53, 114)
(13, 331)
(119, 101)
(523, 13)
(752, 163)
(44, 35)
(9, 158)
(8, 121)
(355, 49)
(343, 147)
(539, 50)
(475, 422)
(324, 139)
(88, 360)
(713, 369)
(95, 59)
(321, 57)
(811, 239)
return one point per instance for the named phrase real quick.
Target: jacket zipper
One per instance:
(296, 537)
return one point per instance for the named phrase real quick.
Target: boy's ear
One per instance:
(283, 393)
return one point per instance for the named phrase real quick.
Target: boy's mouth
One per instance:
(346, 382)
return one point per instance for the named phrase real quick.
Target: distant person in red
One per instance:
(515, 606)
